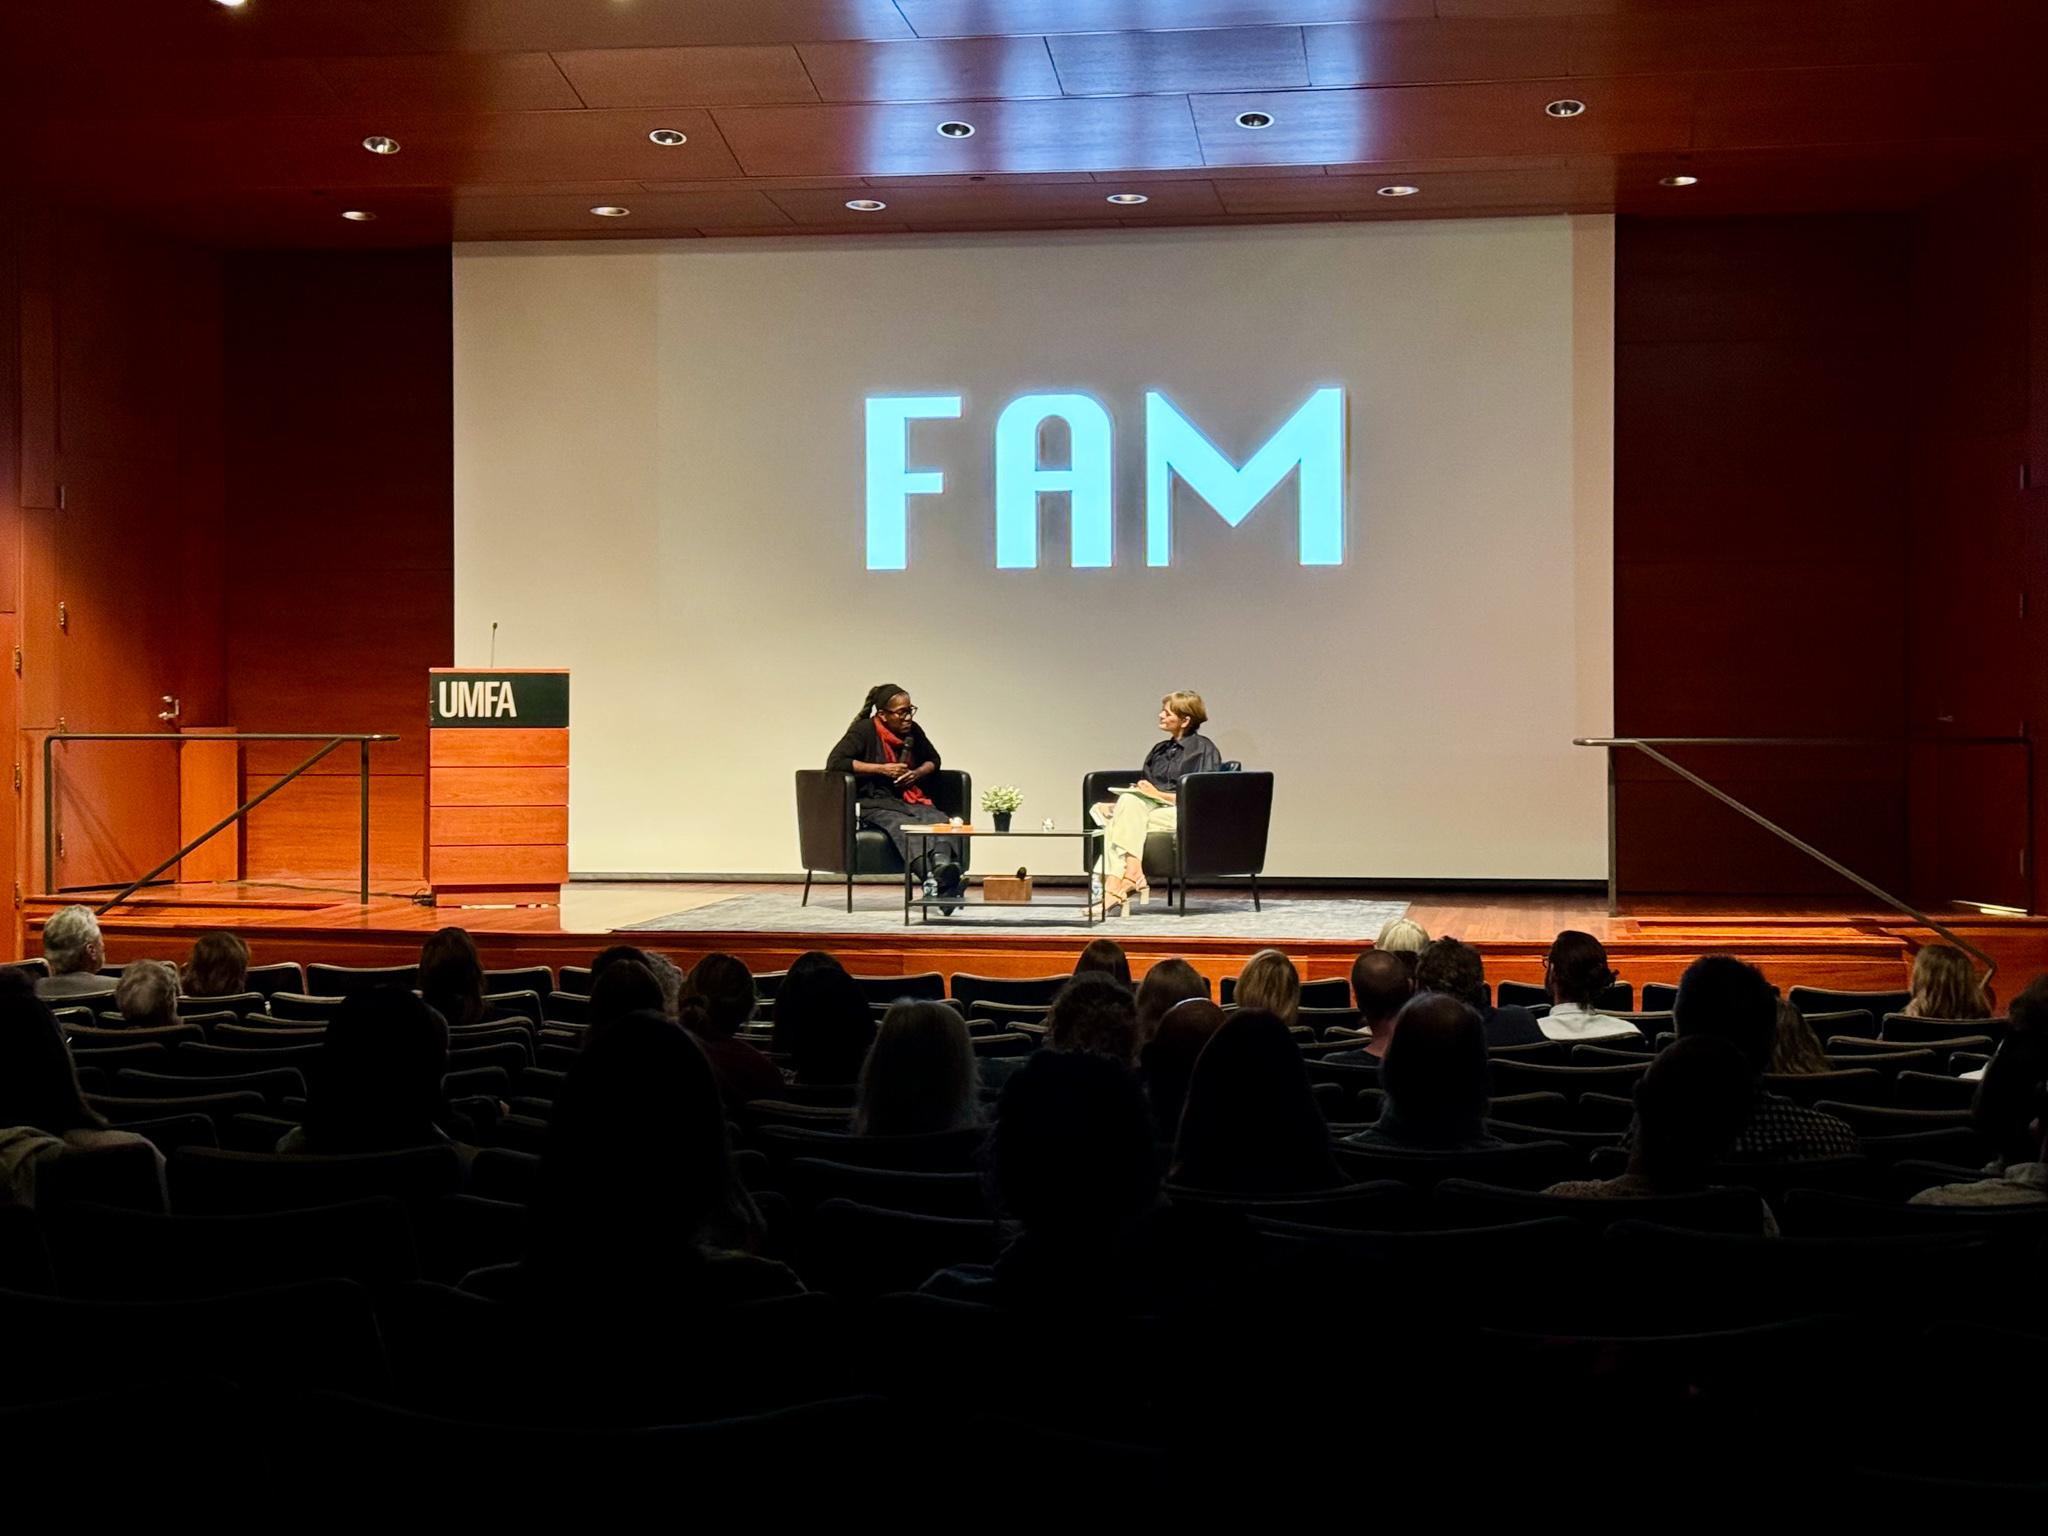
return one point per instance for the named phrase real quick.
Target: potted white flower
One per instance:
(1001, 801)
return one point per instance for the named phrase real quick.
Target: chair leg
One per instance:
(849, 891)
(1255, 895)
(807, 888)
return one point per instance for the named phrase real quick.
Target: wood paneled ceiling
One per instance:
(244, 126)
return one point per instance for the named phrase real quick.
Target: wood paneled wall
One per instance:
(1761, 393)
(1978, 540)
(113, 527)
(340, 514)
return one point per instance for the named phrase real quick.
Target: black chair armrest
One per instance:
(825, 819)
(1224, 819)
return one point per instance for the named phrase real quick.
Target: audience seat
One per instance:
(154, 1057)
(1884, 1120)
(940, 1152)
(1948, 1032)
(509, 1054)
(566, 1008)
(1943, 1051)
(1013, 1042)
(259, 1032)
(537, 979)
(175, 1131)
(1326, 992)
(811, 1181)
(1528, 1165)
(303, 1008)
(968, 989)
(192, 1058)
(1378, 1205)
(923, 986)
(500, 1173)
(1448, 1277)
(1932, 1090)
(2016, 1229)
(1619, 998)
(1890, 1063)
(1011, 1015)
(1857, 1085)
(1322, 1019)
(1533, 1109)
(123, 1176)
(108, 1255)
(95, 1038)
(1513, 1076)
(1467, 1203)
(239, 1004)
(1954, 1144)
(1605, 1055)
(275, 1085)
(217, 1107)
(1812, 1000)
(1553, 1053)
(576, 980)
(284, 976)
(1659, 996)
(345, 980)
(858, 1252)
(207, 1182)
(1859, 1022)
(320, 1334)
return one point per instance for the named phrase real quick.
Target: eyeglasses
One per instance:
(907, 712)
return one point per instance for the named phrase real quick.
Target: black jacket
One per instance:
(862, 744)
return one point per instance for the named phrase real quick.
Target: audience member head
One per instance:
(1795, 1048)
(626, 985)
(823, 1024)
(1071, 1152)
(377, 1087)
(1721, 995)
(2027, 1013)
(718, 997)
(71, 941)
(1250, 1124)
(1434, 1073)
(605, 957)
(1095, 1013)
(669, 977)
(147, 994)
(1945, 985)
(2008, 1101)
(218, 966)
(1269, 983)
(920, 1075)
(452, 976)
(1576, 969)
(1403, 937)
(1107, 957)
(1169, 1058)
(38, 1084)
(637, 1175)
(1454, 969)
(1690, 1107)
(1380, 984)
(1166, 984)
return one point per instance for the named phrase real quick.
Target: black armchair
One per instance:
(1223, 819)
(830, 839)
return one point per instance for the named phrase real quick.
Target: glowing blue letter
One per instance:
(1313, 438)
(891, 481)
(1020, 481)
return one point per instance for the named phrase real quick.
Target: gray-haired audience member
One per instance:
(147, 994)
(75, 953)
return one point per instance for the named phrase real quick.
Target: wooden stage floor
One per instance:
(1807, 943)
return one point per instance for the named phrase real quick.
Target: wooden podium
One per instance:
(497, 786)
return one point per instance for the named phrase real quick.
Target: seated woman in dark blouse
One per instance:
(1151, 808)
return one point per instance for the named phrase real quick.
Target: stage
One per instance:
(1796, 942)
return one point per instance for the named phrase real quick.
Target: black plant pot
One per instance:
(1002, 820)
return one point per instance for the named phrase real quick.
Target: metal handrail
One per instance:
(239, 813)
(1648, 745)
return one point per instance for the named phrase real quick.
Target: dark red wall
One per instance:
(340, 507)
(1761, 458)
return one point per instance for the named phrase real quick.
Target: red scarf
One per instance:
(892, 745)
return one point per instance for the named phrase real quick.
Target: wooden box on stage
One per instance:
(1006, 890)
(497, 786)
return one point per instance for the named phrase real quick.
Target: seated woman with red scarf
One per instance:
(889, 755)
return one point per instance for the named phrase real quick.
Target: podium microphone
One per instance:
(494, 643)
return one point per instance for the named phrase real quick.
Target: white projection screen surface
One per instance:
(662, 483)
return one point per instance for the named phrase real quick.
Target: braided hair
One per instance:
(877, 696)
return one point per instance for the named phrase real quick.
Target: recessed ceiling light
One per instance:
(1254, 119)
(378, 144)
(610, 211)
(233, 5)
(1677, 181)
(1565, 108)
(1399, 191)
(668, 138)
(1128, 199)
(358, 215)
(866, 204)
(956, 130)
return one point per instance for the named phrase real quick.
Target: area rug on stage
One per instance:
(1209, 916)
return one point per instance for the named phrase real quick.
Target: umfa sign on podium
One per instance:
(497, 786)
